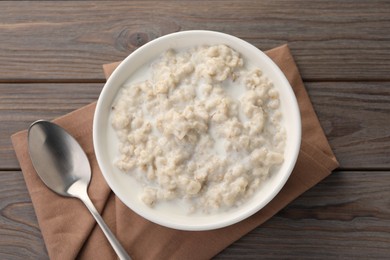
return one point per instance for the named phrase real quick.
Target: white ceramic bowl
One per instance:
(128, 190)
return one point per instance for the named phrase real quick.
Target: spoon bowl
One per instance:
(63, 166)
(57, 157)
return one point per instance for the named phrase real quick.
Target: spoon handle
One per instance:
(110, 236)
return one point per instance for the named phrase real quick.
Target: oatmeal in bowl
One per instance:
(196, 130)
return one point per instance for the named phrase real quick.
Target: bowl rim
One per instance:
(121, 69)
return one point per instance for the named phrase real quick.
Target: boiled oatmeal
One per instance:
(204, 128)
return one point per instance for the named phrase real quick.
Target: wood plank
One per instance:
(345, 216)
(22, 104)
(20, 236)
(354, 116)
(67, 41)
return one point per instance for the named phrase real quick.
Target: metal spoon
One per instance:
(63, 166)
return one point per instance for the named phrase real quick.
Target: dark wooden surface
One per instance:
(50, 64)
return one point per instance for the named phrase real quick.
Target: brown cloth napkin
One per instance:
(70, 232)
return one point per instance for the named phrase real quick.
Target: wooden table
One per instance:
(50, 64)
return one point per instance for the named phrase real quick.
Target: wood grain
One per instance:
(51, 54)
(22, 104)
(354, 116)
(345, 216)
(67, 41)
(20, 236)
